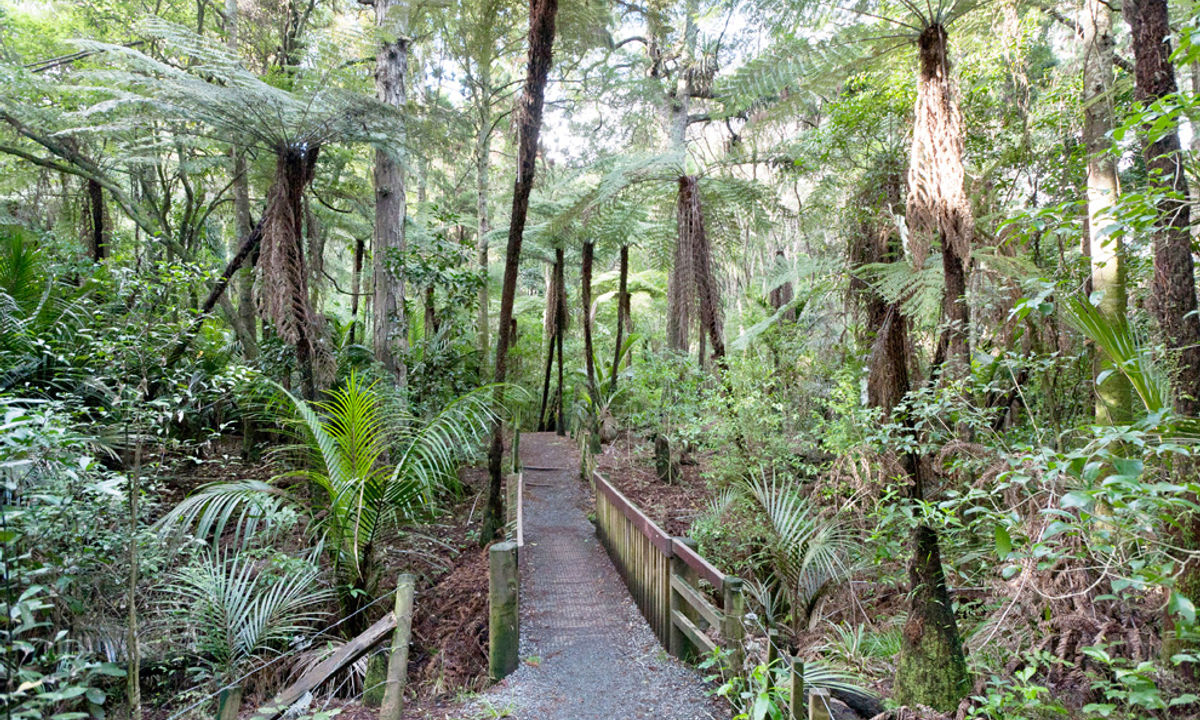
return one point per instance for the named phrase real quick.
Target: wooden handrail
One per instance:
(697, 562)
(657, 536)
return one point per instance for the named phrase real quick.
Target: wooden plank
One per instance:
(328, 667)
(702, 642)
(702, 567)
(644, 524)
(698, 602)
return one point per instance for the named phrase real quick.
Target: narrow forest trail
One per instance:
(586, 651)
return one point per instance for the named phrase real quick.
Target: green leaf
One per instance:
(1181, 606)
(1003, 542)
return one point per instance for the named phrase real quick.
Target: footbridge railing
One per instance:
(669, 579)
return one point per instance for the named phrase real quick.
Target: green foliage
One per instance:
(244, 609)
(371, 470)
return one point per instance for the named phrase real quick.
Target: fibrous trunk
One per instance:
(1113, 393)
(932, 668)
(938, 208)
(283, 284)
(542, 14)
(691, 289)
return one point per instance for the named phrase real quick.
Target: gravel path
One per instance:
(587, 653)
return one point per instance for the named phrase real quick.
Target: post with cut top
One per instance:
(397, 665)
(733, 631)
(503, 622)
(772, 647)
(679, 569)
(818, 705)
(796, 696)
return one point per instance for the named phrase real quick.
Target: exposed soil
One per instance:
(628, 463)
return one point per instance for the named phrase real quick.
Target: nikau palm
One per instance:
(369, 473)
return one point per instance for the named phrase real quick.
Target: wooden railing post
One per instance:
(680, 569)
(229, 702)
(397, 666)
(734, 608)
(516, 448)
(503, 621)
(772, 648)
(796, 682)
(818, 704)
(510, 499)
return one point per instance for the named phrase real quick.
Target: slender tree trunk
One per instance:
(1173, 288)
(241, 213)
(483, 152)
(356, 287)
(542, 14)
(1113, 396)
(390, 324)
(622, 312)
(133, 677)
(585, 296)
(542, 420)
(97, 232)
(560, 327)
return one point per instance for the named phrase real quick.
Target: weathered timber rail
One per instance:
(664, 576)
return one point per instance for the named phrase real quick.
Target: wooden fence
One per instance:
(668, 579)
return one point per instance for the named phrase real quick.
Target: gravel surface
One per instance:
(587, 653)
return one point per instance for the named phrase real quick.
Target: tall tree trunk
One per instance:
(932, 669)
(1173, 296)
(241, 213)
(542, 421)
(390, 324)
(483, 152)
(937, 201)
(1113, 396)
(542, 14)
(622, 312)
(560, 328)
(585, 297)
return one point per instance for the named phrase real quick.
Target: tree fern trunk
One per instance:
(542, 14)
(622, 312)
(937, 206)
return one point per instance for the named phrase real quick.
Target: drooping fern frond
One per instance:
(919, 292)
(205, 88)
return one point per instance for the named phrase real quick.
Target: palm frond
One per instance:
(1116, 339)
(245, 505)
(242, 611)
